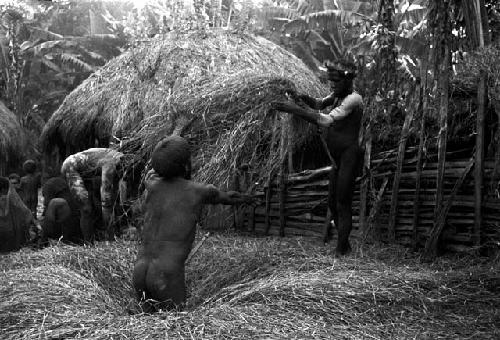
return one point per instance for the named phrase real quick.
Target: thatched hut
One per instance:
(213, 87)
(12, 140)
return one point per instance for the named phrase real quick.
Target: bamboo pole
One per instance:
(281, 175)
(479, 158)
(364, 186)
(494, 182)
(418, 167)
(431, 245)
(290, 142)
(397, 175)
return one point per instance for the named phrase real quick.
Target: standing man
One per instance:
(93, 176)
(343, 123)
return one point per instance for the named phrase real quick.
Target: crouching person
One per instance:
(172, 207)
(93, 177)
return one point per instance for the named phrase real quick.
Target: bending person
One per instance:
(93, 176)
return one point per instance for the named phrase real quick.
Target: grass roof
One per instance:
(213, 87)
(12, 140)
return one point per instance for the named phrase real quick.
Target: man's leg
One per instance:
(332, 214)
(348, 170)
(81, 194)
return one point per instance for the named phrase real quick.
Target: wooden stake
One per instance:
(268, 187)
(416, 205)
(431, 245)
(281, 175)
(397, 176)
(375, 208)
(198, 245)
(479, 157)
(364, 186)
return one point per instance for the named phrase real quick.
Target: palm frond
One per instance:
(295, 27)
(45, 61)
(38, 33)
(75, 61)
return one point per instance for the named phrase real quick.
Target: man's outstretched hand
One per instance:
(284, 106)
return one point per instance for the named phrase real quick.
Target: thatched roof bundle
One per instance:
(12, 138)
(213, 87)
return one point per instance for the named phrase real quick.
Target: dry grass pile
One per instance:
(34, 300)
(214, 87)
(11, 136)
(108, 266)
(243, 287)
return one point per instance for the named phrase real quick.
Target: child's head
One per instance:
(172, 157)
(15, 180)
(29, 166)
(54, 187)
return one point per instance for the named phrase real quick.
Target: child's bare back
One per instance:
(172, 207)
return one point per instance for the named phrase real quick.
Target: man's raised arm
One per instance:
(311, 116)
(317, 103)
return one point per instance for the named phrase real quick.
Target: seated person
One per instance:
(15, 218)
(172, 207)
(61, 217)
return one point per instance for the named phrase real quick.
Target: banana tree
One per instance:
(38, 63)
(317, 30)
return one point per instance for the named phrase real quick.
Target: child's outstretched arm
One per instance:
(212, 195)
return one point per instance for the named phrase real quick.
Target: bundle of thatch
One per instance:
(213, 87)
(12, 140)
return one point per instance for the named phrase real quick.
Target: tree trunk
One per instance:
(482, 39)
(442, 40)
